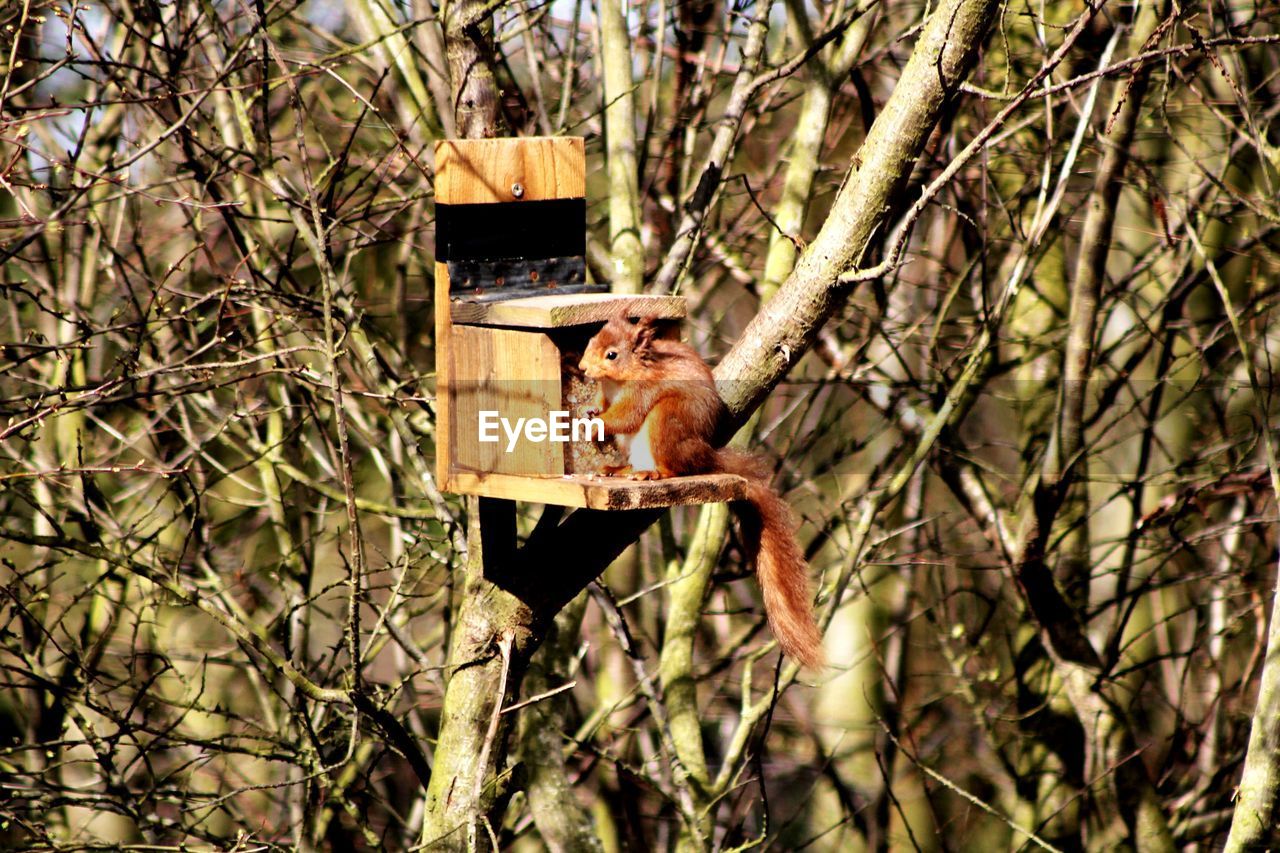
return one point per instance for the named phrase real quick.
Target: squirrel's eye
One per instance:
(611, 354)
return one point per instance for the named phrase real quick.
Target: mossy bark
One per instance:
(563, 823)
(620, 149)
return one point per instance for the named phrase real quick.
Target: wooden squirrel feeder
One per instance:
(513, 312)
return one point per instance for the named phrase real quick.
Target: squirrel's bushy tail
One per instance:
(783, 572)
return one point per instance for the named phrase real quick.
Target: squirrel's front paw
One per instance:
(645, 475)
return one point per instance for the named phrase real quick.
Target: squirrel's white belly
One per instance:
(639, 453)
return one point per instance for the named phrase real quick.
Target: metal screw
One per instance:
(517, 190)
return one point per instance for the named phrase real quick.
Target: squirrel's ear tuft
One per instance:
(646, 327)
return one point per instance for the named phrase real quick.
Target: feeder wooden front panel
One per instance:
(514, 373)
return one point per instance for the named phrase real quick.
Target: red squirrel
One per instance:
(659, 399)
